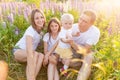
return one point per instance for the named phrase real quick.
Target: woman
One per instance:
(24, 50)
(50, 40)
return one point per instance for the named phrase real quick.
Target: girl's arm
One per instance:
(45, 62)
(53, 48)
(47, 53)
(30, 57)
(64, 40)
(45, 47)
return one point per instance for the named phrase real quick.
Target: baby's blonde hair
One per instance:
(67, 17)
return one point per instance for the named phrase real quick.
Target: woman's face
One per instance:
(39, 20)
(54, 27)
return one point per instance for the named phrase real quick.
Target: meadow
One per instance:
(15, 18)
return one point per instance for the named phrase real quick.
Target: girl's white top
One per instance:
(50, 41)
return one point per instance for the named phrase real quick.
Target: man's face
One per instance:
(84, 21)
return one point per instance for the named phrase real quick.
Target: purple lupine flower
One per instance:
(41, 6)
(10, 18)
(20, 10)
(65, 9)
(118, 19)
(13, 8)
(80, 5)
(10, 7)
(3, 7)
(47, 5)
(53, 12)
(0, 12)
(110, 30)
(17, 31)
(61, 8)
(29, 10)
(25, 15)
(55, 7)
(7, 6)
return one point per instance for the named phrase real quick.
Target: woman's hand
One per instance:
(45, 61)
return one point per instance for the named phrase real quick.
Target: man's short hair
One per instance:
(91, 14)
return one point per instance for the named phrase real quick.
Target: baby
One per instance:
(63, 49)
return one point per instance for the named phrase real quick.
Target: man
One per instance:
(88, 36)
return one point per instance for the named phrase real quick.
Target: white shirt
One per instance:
(34, 34)
(91, 36)
(50, 41)
(63, 34)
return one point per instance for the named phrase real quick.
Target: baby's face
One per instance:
(67, 24)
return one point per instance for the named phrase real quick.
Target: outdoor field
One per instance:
(15, 19)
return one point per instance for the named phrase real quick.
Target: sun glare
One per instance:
(108, 7)
(113, 3)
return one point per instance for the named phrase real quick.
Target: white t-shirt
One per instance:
(34, 34)
(63, 34)
(50, 41)
(91, 36)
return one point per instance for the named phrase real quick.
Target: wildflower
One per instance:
(10, 18)
(110, 30)
(17, 31)
(26, 15)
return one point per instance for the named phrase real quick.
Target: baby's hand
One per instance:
(68, 36)
(76, 34)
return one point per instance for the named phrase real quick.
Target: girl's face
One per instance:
(67, 24)
(54, 27)
(39, 20)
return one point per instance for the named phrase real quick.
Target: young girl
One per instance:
(63, 48)
(50, 38)
(24, 50)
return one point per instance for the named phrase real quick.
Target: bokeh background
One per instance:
(15, 18)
